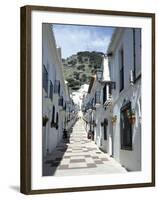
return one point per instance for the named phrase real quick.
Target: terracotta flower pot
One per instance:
(133, 118)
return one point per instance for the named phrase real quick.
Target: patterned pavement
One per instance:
(79, 156)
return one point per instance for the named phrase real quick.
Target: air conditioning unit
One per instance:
(131, 78)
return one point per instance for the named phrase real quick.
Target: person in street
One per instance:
(65, 134)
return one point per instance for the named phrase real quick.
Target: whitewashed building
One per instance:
(113, 104)
(125, 70)
(98, 110)
(56, 101)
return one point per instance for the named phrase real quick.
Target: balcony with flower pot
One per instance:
(108, 102)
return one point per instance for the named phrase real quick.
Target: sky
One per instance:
(75, 38)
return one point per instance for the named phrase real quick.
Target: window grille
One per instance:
(51, 90)
(97, 97)
(57, 87)
(45, 79)
(125, 127)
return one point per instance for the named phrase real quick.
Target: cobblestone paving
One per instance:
(79, 156)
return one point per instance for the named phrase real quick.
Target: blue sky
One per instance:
(73, 38)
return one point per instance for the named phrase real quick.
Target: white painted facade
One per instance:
(130, 41)
(56, 102)
(109, 114)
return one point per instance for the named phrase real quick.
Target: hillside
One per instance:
(78, 68)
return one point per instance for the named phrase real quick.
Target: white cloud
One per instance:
(80, 38)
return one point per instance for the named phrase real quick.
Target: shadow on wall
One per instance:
(53, 160)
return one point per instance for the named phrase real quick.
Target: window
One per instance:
(125, 127)
(107, 91)
(57, 87)
(45, 79)
(57, 120)
(60, 101)
(105, 128)
(121, 69)
(51, 90)
(97, 97)
(104, 93)
(137, 51)
(53, 114)
(110, 89)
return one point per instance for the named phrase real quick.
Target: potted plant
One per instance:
(45, 120)
(114, 119)
(128, 112)
(133, 117)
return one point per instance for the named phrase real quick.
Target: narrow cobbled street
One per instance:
(78, 155)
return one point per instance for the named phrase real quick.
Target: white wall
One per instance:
(10, 137)
(131, 93)
(51, 60)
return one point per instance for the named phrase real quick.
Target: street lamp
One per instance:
(99, 74)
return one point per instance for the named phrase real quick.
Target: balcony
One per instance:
(108, 102)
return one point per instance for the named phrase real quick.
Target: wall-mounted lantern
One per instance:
(99, 74)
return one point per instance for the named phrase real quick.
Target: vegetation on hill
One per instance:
(79, 68)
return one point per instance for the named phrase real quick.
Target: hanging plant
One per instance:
(45, 120)
(114, 119)
(131, 116)
(128, 112)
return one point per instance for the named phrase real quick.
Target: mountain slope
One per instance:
(79, 68)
